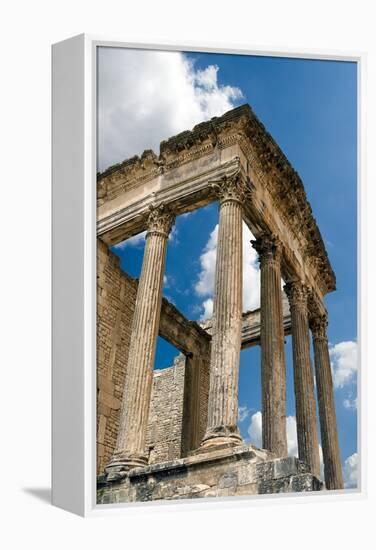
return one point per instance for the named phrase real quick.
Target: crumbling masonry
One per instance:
(173, 433)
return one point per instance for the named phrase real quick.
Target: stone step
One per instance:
(237, 471)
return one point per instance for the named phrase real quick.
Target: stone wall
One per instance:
(166, 413)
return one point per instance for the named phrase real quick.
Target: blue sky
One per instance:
(309, 107)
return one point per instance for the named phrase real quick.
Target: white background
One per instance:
(27, 31)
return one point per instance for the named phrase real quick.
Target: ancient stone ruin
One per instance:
(172, 433)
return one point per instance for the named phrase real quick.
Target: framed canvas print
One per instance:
(205, 275)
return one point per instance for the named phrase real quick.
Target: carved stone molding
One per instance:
(297, 294)
(268, 246)
(160, 220)
(232, 188)
(315, 260)
(318, 325)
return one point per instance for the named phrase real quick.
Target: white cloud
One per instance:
(251, 273)
(292, 436)
(205, 284)
(147, 96)
(207, 306)
(136, 241)
(344, 361)
(321, 463)
(208, 77)
(188, 214)
(255, 429)
(292, 442)
(350, 471)
(243, 413)
(255, 435)
(351, 403)
(173, 236)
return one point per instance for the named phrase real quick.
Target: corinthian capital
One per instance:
(268, 247)
(297, 293)
(160, 220)
(318, 325)
(232, 188)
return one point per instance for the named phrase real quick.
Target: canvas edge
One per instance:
(68, 129)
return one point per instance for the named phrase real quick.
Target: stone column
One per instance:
(273, 367)
(227, 319)
(308, 444)
(130, 449)
(325, 397)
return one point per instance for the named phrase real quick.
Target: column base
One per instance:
(119, 466)
(221, 436)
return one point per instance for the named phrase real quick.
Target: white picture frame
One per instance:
(74, 272)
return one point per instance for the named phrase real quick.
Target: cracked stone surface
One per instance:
(236, 471)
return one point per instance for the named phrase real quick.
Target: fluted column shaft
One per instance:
(327, 412)
(308, 445)
(227, 312)
(273, 366)
(130, 447)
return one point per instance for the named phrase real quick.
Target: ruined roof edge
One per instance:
(182, 139)
(186, 139)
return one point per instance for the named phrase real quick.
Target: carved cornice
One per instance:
(212, 132)
(160, 220)
(270, 165)
(128, 174)
(268, 246)
(176, 151)
(287, 190)
(316, 262)
(297, 294)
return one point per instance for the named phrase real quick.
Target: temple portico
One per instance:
(231, 160)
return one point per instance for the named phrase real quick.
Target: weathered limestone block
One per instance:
(164, 432)
(109, 400)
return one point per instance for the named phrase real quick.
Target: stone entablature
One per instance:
(251, 324)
